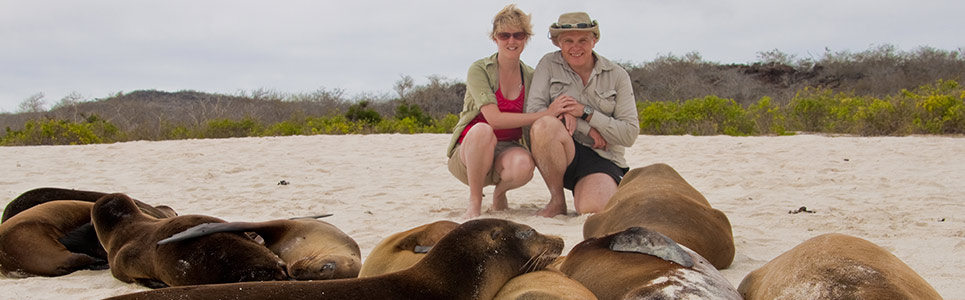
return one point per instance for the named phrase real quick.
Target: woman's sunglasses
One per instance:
(519, 36)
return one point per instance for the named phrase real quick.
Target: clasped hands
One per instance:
(567, 109)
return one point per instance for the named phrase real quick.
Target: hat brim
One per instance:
(555, 32)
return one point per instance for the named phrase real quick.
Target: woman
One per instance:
(487, 143)
(584, 153)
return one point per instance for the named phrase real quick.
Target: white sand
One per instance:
(903, 193)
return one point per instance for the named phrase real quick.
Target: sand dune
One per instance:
(903, 193)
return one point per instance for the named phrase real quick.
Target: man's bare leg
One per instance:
(592, 193)
(553, 150)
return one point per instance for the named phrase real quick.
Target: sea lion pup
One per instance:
(472, 262)
(836, 266)
(312, 249)
(404, 249)
(544, 285)
(639, 263)
(29, 243)
(130, 238)
(658, 198)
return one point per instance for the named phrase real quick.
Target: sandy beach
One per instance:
(902, 193)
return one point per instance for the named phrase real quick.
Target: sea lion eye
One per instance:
(525, 234)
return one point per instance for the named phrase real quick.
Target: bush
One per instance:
(225, 128)
(62, 132)
(414, 112)
(361, 112)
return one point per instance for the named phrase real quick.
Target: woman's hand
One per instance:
(561, 105)
(569, 122)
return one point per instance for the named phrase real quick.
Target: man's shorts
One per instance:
(586, 162)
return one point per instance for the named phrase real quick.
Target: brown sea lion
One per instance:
(544, 285)
(639, 263)
(29, 244)
(472, 262)
(80, 239)
(38, 196)
(658, 198)
(404, 249)
(312, 249)
(836, 266)
(130, 238)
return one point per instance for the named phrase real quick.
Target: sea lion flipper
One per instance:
(199, 230)
(312, 217)
(83, 240)
(642, 240)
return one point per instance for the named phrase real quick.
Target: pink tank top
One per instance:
(507, 106)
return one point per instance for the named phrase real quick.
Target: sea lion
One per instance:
(639, 263)
(312, 249)
(38, 196)
(836, 266)
(658, 198)
(472, 262)
(404, 249)
(29, 244)
(544, 285)
(130, 238)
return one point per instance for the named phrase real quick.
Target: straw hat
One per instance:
(574, 21)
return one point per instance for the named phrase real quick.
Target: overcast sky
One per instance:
(98, 48)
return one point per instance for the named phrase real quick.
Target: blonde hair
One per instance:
(512, 16)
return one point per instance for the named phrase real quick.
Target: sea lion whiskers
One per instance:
(538, 261)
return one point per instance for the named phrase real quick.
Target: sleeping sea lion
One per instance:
(658, 198)
(312, 249)
(404, 249)
(29, 243)
(130, 238)
(639, 263)
(836, 266)
(472, 262)
(544, 285)
(79, 239)
(38, 196)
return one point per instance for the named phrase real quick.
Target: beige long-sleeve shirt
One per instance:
(608, 92)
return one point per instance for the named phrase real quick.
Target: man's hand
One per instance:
(598, 141)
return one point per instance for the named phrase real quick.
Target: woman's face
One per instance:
(510, 41)
(577, 48)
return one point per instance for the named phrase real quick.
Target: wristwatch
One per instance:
(587, 111)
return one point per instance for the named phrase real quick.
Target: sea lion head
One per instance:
(112, 209)
(324, 266)
(517, 246)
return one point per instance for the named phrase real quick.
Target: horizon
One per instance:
(99, 49)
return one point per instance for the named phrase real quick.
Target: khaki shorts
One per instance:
(458, 168)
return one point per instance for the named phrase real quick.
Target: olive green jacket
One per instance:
(481, 85)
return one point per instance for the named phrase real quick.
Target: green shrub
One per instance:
(658, 117)
(226, 128)
(713, 115)
(767, 117)
(939, 107)
(361, 112)
(414, 112)
(62, 132)
(809, 110)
